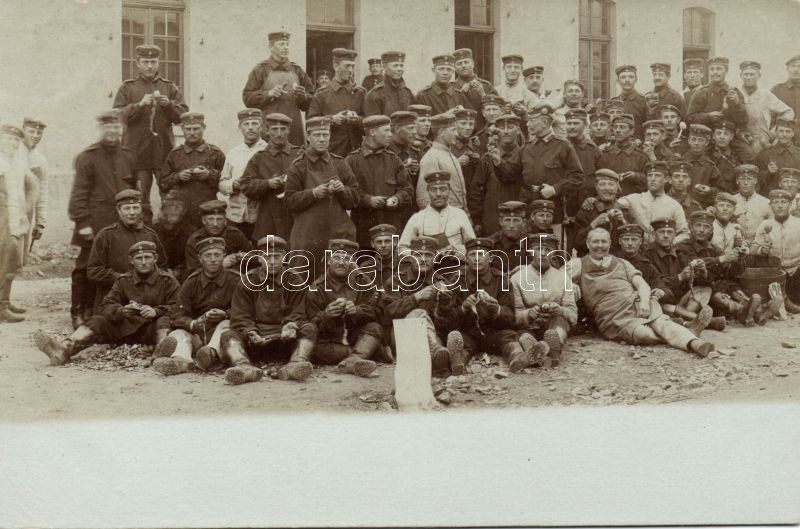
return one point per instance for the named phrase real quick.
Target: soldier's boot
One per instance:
(299, 366)
(60, 351)
(440, 355)
(208, 359)
(791, 306)
(553, 340)
(537, 349)
(165, 346)
(180, 360)
(357, 362)
(383, 355)
(77, 317)
(771, 308)
(515, 356)
(242, 371)
(717, 323)
(701, 321)
(7, 315)
(701, 347)
(455, 346)
(16, 310)
(750, 310)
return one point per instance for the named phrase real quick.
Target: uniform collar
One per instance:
(784, 149)
(483, 279)
(150, 280)
(792, 83)
(314, 157)
(155, 79)
(274, 149)
(199, 148)
(259, 144)
(438, 90)
(627, 150)
(335, 85)
(546, 138)
(629, 95)
(366, 149)
(286, 65)
(218, 280)
(663, 253)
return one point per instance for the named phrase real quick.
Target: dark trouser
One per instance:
(244, 227)
(793, 287)
(83, 291)
(280, 350)
(107, 331)
(559, 324)
(144, 179)
(493, 342)
(330, 351)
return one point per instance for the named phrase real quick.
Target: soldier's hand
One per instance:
(700, 188)
(146, 100)
(600, 220)
(276, 182)
(730, 256)
(547, 191)
(276, 91)
(162, 100)
(321, 190)
(533, 314)
(214, 315)
(37, 232)
(254, 338)
(392, 202)
(299, 92)
(335, 308)
(732, 97)
(185, 175)
(643, 308)
(350, 308)
(715, 115)
(657, 294)
(230, 260)
(589, 203)
(518, 109)
(413, 166)
(463, 160)
(336, 185)
(289, 331)
(426, 293)
(772, 167)
(339, 117)
(86, 233)
(491, 305)
(130, 310)
(146, 311)
(377, 202)
(352, 116)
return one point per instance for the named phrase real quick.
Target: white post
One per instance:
(412, 375)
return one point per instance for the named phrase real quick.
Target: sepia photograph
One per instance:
(216, 209)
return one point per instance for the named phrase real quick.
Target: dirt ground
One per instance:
(761, 363)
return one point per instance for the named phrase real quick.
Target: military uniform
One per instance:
(643, 264)
(406, 153)
(703, 172)
(783, 156)
(370, 81)
(789, 93)
(583, 225)
(627, 159)
(492, 185)
(333, 99)
(689, 204)
(635, 104)
(726, 163)
(174, 240)
(441, 98)
(235, 242)
(711, 98)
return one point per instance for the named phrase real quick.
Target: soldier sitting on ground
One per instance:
(215, 224)
(136, 309)
(600, 210)
(508, 241)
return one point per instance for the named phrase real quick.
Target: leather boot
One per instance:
(174, 365)
(299, 367)
(440, 355)
(750, 310)
(77, 318)
(59, 352)
(358, 362)
(8, 316)
(701, 321)
(717, 323)
(553, 340)
(384, 355)
(700, 347)
(207, 359)
(516, 357)
(16, 310)
(165, 344)
(769, 310)
(455, 345)
(791, 306)
(537, 349)
(242, 371)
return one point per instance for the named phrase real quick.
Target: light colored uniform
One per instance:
(240, 208)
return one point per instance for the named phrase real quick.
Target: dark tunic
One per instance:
(333, 99)
(663, 153)
(406, 153)
(694, 249)
(635, 104)
(726, 163)
(589, 156)
(642, 264)
(199, 294)
(689, 204)
(440, 99)
(100, 173)
(509, 251)
(345, 328)
(704, 172)
(235, 241)
(465, 147)
(623, 160)
(264, 77)
(669, 96)
(783, 157)
(474, 97)
(497, 285)
(678, 144)
(583, 225)
(387, 97)
(159, 290)
(199, 188)
(396, 304)
(789, 93)
(266, 311)
(381, 173)
(149, 150)
(711, 98)
(492, 185)
(370, 81)
(174, 242)
(687, 95)
(669, 264)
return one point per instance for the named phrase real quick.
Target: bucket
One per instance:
(757, 280)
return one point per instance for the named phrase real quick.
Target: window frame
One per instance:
(484, 30)
(698, 49)
(349, 27)
(175, 6)
(593, 39)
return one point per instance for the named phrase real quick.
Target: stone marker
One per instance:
(412, 375)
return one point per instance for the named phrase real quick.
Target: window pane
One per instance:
(161, 43)
(173, 51)
(134, 20)
(173, 73)
(315, 11)
(172, 24)
(159, 22)
(584, 16)
(335, 12)
(479, 13)
(462, 12)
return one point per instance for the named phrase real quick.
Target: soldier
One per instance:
(383, 185)
(439, 159)
(202, 337)
(344, 312)
(193, 167)
(763, 107)
(404, 131)
(680, 187)
(241, 211)
(654, 135)
(789, 92)
(541, 218)
(264, 178)
(722, 154)
(673, 129)
(727, 234)
(666, 94)
(508, 240)
(693, 71)
(215, 224)
(383, 242)
(790, 181)
(414, 292)
(342, 101)
(492, 185)
(492, 107)
(320, 188)
(391, 94)
(705, 175)
(534, 79)
(278, 85)
(614, 108)
(101, 171)
(513, 89)
(634, 102)
(544, 300)
(108, 257)
(600, 210)
(13, 218)
(266, 313)
(441, 95)
(630, 239)
(751, 207)
(173, 232)
(422, 141)
(600, 129)
(572, 100)
(487, 312)
(323, 79)
(449, 225)
(588, 154)
(136, 309)
(775, 157)
(150, 106)
(33, 130)
(473, 87)
(374, 76)
(466, 147)
(624, 158)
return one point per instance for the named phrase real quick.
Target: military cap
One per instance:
(148, 51)
(785, 122)
(209, 243)
(192, 118)
(718, 60)
(382, 230)
(780, 193)
(698, 129)
(277, 117)
(109, 117)
(701, 216)
(606, 174)
(128, 196)
(693, 64)
(576, 113)
(656, 166)
(790, 172)
(212, 207)
(512, 58)
(403, 117)
(12, 130)
(625, 118)
(373, 61)
(249, 113)
(272, 242)
(725, 124)
(680, 166)
(420, 110)
(373, 122)
(323, 72)
(654, 124)
(444, 60)
(318, 123)
(722, 196)
(492, 99)
(343, 54)
(511, 208)
(542, 108)
(440, 121)
(542, 205)
(671, 108)
(744, 65)
(141, 247)
(507, 119)
(661, 67)
(625, 68)
(614, 103)
(462, 53)
(792, 59)
(631, 229)
(664, 223)
(393, 56)
(575, 82)
(465, 113)
(532, 70)
(746, 169)
(479, 243)
(33, 122)
(342, 245)
(543, 239)
(275, 36)
(424, 243)
(599, 116)
(437, 177)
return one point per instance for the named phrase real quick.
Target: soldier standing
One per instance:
(442, 95)
(624, 158)
(391, 94)
(634, 102)
(440, 159)
(763, 107)
(374, 76)
(789, 92)
(404, 131)
(693, 70)
(775, 157)
(513, 89)
(666, 94)
(33, 129)
(467, 147)
(675, 140)
(473, 87)
(13, 218)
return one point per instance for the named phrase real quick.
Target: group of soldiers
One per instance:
(505, 216)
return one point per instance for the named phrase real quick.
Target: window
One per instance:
(475, 30)
(329, 24)
(159, 23)
(698, 34)
(594, 64)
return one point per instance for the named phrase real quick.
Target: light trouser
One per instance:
(663, 329)
(185, 348)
